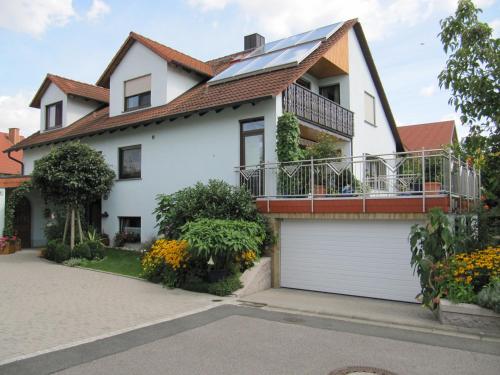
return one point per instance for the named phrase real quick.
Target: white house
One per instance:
(164, 120)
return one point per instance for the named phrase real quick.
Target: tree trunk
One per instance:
(66, 225)
(79, 225)
(72, 240)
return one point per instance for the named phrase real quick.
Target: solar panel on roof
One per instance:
(287, 51)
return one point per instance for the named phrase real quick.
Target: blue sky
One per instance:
(77, 39)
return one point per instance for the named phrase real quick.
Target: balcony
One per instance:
(318, 110)
(410, 182)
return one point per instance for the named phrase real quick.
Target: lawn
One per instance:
(123, 262)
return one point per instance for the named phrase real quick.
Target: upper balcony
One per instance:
(318, 110)
(409, 182)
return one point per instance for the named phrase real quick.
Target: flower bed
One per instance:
(9, 244)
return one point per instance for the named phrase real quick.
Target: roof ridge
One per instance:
(74, 80)
(133, 33)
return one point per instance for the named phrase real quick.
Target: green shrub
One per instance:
(223, 240)
(50, 249)
(489, 296)
(82, 250)
(62, 252)
(287, 138)
(223, 287)
(215, 200)
(96, 248)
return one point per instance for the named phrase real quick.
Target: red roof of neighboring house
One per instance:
(204, 97)
(430, 136)
(9, 166)
(71, 87)
(169, 54)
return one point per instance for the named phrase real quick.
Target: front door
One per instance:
(252, 155)
(22, 222)
(93, 215)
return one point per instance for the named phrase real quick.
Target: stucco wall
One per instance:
(179, 81)
(174, 155)
(78, 108)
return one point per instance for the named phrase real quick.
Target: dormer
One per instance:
(63, 101)
(145, 74)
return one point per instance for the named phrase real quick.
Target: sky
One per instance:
(77, 39)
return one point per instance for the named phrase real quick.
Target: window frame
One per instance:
(374, 109)
(120, 224)
(247, 133)
(304, 83)
(327, 86)
(57, 105)
(129, 109)
(120, 162)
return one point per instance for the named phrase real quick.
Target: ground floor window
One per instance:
(131, 227)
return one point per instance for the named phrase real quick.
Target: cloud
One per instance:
(34, 17)
(16, 113)
(97, 10)
(428, 90)
(279, 18)
(495, 25)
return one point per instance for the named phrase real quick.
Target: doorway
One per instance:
(22, 222)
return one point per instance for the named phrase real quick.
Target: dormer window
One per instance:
(53, 115)
(138, 93)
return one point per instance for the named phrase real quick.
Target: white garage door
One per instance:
(355, 257)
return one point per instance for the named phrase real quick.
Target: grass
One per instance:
(123, 262)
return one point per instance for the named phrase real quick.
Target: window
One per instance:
(129, 162)
(252, 155)
(302, 82)
(131, 227)
(138, 93)
(53, 116)
(331, 92)
(369, 108)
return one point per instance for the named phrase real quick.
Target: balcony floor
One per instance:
(357, 205)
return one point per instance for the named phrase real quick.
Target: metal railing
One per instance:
(427, 173)
(317, 109)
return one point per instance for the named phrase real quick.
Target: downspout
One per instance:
(17, 161)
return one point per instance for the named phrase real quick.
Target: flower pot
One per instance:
(433, 187)
(319, 190)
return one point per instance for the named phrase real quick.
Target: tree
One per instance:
(71, 175)
(472, 70)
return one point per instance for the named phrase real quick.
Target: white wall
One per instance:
(368, 139)
(174, 155)
(78, 108)
(179, 81)
(2, 210)
(53, 95)
(137, 62)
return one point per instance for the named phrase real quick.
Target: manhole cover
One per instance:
(361, 371)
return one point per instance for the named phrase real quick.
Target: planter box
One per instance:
(468, 315)
(11, 247)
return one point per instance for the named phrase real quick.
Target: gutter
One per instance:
(17, 161)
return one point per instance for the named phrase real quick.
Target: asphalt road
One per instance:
(243, 340)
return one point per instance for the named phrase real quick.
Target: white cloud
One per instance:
(16, 113)
(428, 90)
(98, 9)
(495, 25)
(279, 18)
(35, 16)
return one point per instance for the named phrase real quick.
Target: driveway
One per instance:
(241, 340)
(44, 305)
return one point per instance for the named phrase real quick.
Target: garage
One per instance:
(368, 258)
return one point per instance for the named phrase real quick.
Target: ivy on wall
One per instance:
(10, 210)
(288, 136)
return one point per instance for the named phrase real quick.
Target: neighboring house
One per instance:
(429, 136)
(164, 120)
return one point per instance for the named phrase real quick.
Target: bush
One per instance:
(222, 288)
(166, 262)
(215, 200)
(62, 252)
(489, 296)
(222, 240)
(82, 250)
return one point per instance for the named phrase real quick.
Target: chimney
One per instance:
(14, 136)
(254, 41)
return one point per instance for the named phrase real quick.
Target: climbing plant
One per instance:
(10, 210)
(288, 136)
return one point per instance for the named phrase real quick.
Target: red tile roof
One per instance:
(71, 87)
(428, 136)
(169, 54)
(9, 166)
(200, 98)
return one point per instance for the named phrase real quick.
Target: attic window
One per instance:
(138, 93)
(53, 115)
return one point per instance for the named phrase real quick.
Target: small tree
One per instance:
(71, 175)
(472, 70)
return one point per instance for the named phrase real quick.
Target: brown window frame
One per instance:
(58, 121)
(139, 106)
(246, 133)
(321, 88)
(121, 176)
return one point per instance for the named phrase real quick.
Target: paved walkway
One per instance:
(341, 306)
(43, 304)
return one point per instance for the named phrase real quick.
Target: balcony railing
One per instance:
(318, 110)
(430, 173)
